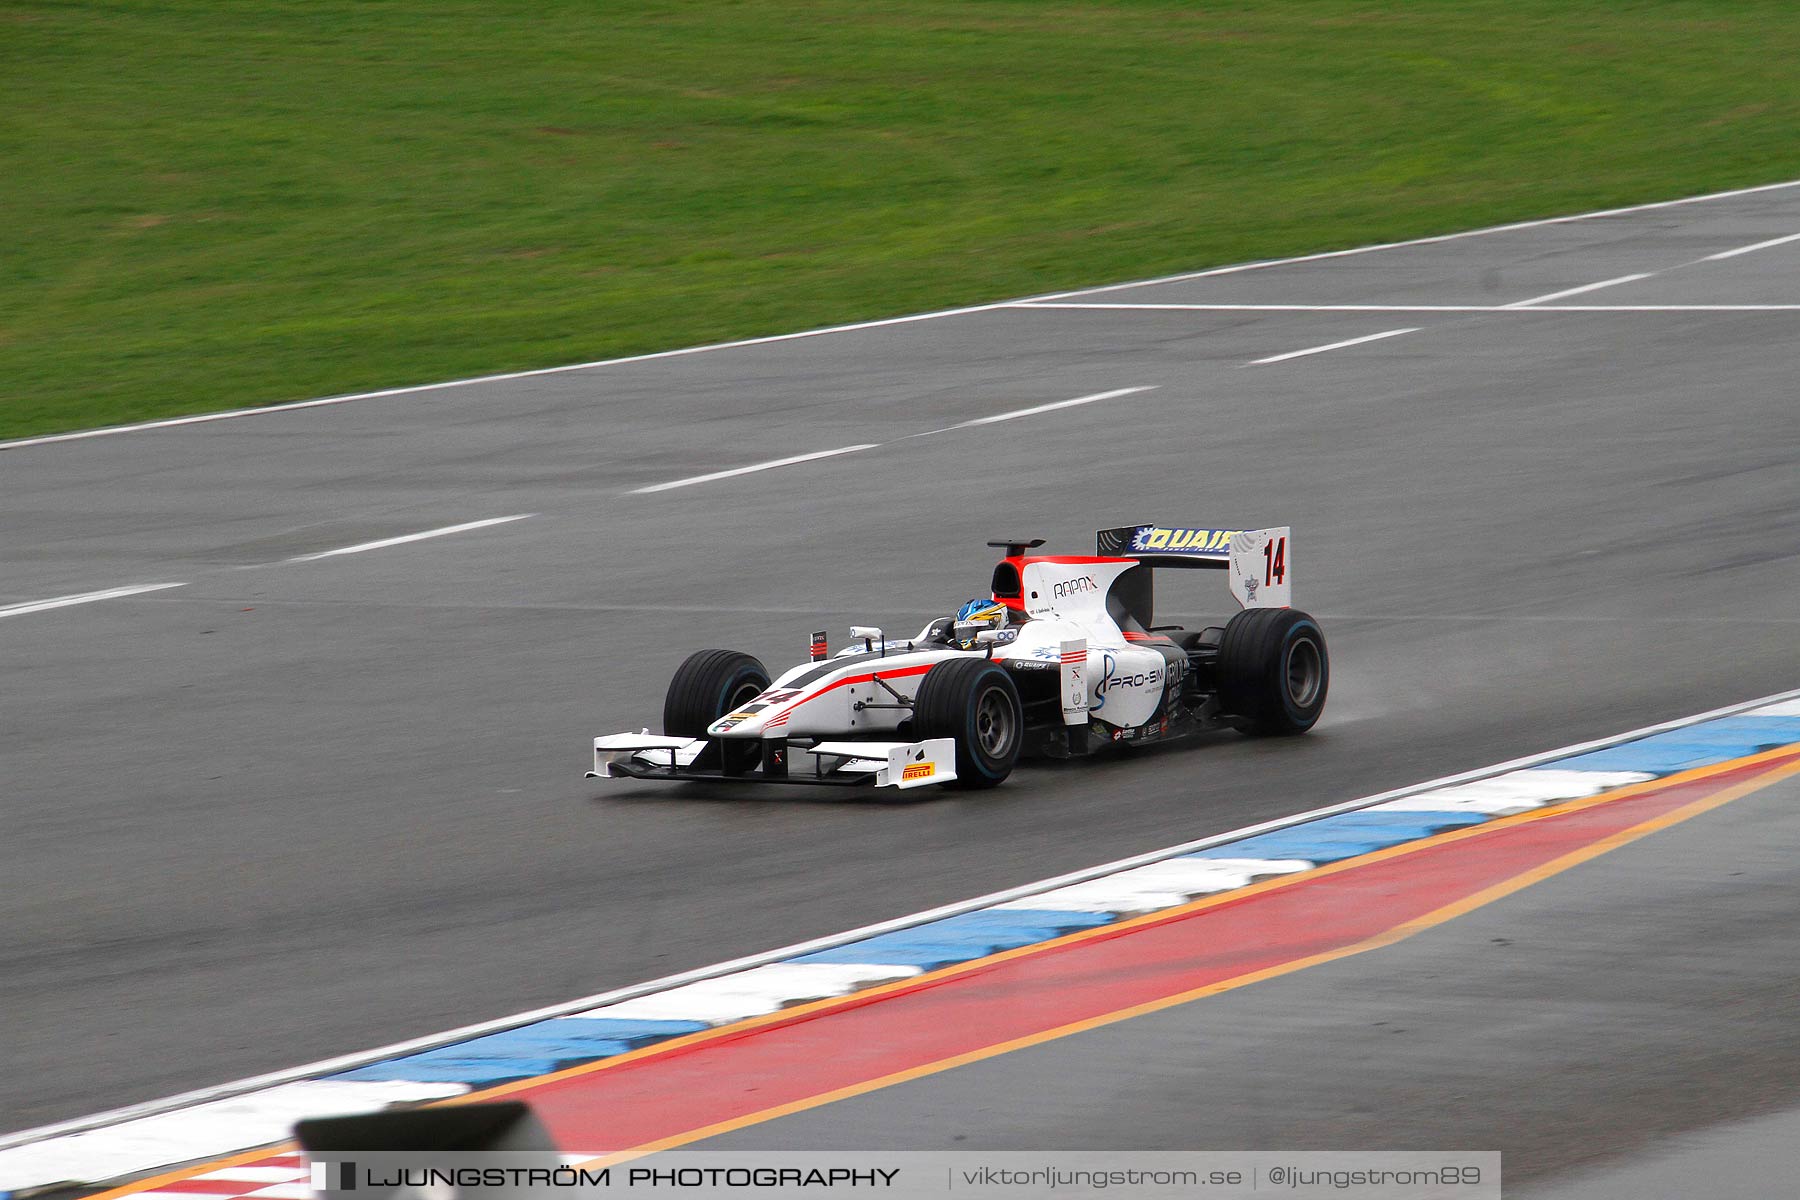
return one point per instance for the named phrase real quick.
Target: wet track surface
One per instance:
(1599, 1014)
(297, 809)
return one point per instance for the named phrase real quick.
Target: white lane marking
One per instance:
(1724, 254)
(1033, 411)
(751, 469)
(1373, 337)
(1576, 291)
(19, 610)
(1260, 264)
(349, 1062)
(417, 388)
(1012, 415)
(1148, 306)
(384, 543)
(1418, 308)
(1510, 227)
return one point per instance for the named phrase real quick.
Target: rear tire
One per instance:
(708, 685)
(1273, 671)
(974, 702)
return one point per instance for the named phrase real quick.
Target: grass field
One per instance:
(219, 204)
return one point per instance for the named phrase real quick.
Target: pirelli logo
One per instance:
(918, 771)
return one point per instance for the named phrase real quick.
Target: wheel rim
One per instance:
(1305, 673)
(995, 724)
(745, 692)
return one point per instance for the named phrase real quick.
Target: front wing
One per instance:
(846, 762)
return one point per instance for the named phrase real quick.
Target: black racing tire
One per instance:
(708, 685)
(975, 702)
(1273, 671)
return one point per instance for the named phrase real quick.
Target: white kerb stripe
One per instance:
(751, 469)
(282, 1191)
(35, 1142)
(1033, 411)
(410, 537)
(1780, 241)
(204, 1131)
(1515, 791)
(1576, 291)
(1373, 337)
(19, 610)
(251, 1173)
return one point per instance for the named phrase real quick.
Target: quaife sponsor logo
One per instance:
(1154, 538)
(1070, 587)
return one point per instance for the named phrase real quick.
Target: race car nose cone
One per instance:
(737, 724)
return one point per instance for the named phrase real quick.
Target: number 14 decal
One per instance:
(1275, 560)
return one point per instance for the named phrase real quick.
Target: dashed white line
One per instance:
(1373, 337)
(1010, 415)
(751, 469)
(1111, 306)
(1576, 291)
(1434, 239)
(1261, 264)
(19, 610)
(384, 543)
(1536, 307)
(1016, 413)
(1772, 242)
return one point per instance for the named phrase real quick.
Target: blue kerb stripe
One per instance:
(960, 938)
(480, 1072)
(1372, 820)
(1344, 836)
(516, 1053)
(926, 955)
(560, 1042)
(624, 1029)
(1684, 749)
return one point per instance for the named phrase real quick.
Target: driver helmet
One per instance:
(976, 616)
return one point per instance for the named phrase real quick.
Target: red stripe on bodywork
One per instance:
(787, 712)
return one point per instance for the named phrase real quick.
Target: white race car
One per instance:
(1062, 659)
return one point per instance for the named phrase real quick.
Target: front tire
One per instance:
(708, 685)
(976, 703)
(1273, 671)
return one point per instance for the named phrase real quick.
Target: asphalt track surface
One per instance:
(296, 809)
(1593, 1027)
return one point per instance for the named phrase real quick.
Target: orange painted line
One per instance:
(1398, 933)
(240, 1159)
(828, 1005)
(815, 1008)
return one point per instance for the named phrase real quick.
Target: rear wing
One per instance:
(1261, 561)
